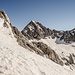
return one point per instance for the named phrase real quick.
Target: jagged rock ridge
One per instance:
(35, 30)
(51, 54)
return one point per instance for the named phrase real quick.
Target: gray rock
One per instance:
(70, 59)
(48, 51)
(35, 30)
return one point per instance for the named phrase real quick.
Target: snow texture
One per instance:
(1, 22)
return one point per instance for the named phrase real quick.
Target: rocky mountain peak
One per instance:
(33, 21)
(35, 30)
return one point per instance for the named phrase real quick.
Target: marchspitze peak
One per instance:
(35, 30)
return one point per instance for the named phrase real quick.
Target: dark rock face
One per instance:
(2, 14)
(68, 36)
(35, 30)
(70, 59)
(49, 52)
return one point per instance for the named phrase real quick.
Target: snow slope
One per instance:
(16, 60)
(61, 48)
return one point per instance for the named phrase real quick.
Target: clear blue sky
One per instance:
(54, 14)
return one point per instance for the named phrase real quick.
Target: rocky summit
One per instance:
(35, 30)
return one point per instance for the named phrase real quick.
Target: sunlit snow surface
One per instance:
(1, 22)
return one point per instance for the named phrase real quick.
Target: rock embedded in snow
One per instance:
(51, 54)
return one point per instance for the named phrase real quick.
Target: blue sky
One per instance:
(54, 14)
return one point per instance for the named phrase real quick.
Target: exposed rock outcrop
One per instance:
(22, 40)
(67, 36)
(51, 54)
(70, 59)
(35, 30)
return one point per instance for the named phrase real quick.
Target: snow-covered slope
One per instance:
(64, 50)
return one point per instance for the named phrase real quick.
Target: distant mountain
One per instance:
(35, 30)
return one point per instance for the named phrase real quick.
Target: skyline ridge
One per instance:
(54, 14)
